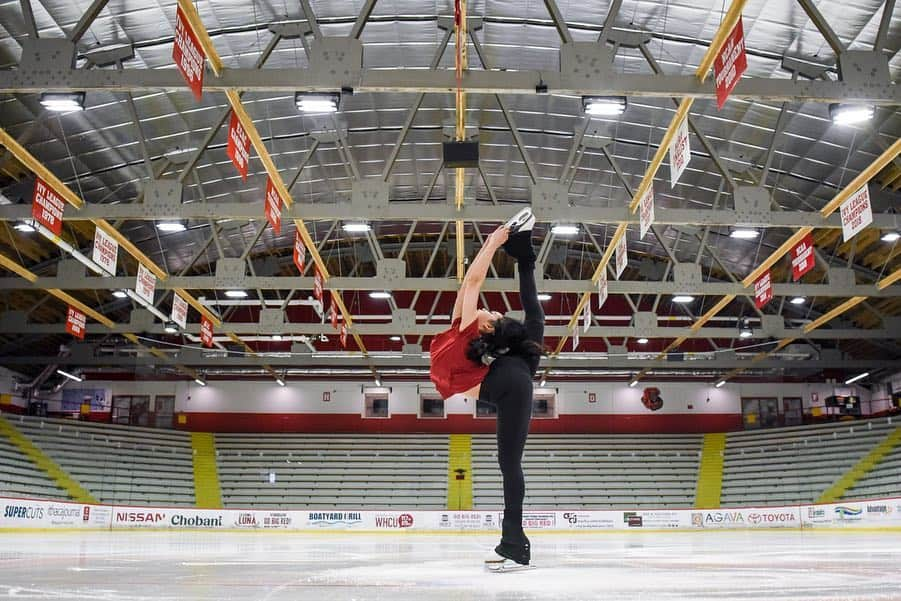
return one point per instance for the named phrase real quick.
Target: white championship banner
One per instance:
(41, 514)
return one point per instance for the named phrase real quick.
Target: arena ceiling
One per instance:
(144, 151)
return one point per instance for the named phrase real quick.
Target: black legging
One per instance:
(509, 386)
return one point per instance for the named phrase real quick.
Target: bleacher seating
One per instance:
(19, 477)
(794, 465)
(594, 471)
(118, 464)
(883, 481)
(333, 471)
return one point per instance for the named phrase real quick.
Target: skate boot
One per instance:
(519, 246)
(509, 558)
(522, 221)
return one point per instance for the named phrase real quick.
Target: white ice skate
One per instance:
(499, 563)
(522, 221)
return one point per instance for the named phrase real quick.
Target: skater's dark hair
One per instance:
(509, 337)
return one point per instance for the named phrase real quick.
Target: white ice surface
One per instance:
(707, 566)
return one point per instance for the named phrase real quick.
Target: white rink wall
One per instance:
(36, 514)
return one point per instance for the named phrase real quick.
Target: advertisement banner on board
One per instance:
(188, 55)
(746, 517)
(35, 513)
(74, 398)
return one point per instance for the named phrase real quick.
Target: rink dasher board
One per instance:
(40, 514)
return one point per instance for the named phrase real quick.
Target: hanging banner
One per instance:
(273, 207)
(300, 252)
(145, 285)
(622, 257)
(586, 316)
(188, 55)
(576, 337)
(646, 211)
(730, 64)
(333, 313)
(238, 148)
(802, 257)
(47, 206)
(602, 289)
(106, 251)
(763, 290)
(206, 332)
(857, 213)
(179, 311)
(75, 321)
(343, 335)
(679, 153)
(317, 285)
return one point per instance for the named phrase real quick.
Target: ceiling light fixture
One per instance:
(720, 384)
(633, 383)
(544, 296)
(171, 328)
(236, 294)
(62, 102)
(605, 106)
(171, 226)
(848, 114)
(562, 229)
(25, 227)
(395, 339)
(745, 331)
(683, 298)
(379, 294)
(798, 300)
(890, 236)
(378, 381)
(744, 233)
(356, 227)
(200, 382)
(280, 382)
(120, 294)
(70, 375)
(542, 383)
(317, 102)
(277, 337)
(642, 340)
(857, 377)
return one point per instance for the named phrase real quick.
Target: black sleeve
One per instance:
(528, 295)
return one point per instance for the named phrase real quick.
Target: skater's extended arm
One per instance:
(467, 302)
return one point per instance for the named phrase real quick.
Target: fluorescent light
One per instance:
(379, 294)
(542, 383)
(847, 114)
(70, 376)
(120, 294)
(745, 330)
(890, 236)
(798, 300)
(171, 328)
(63, 101)
(633, 383)
(311, 102)
(277, 337)
(745, 333)
(565, 230)
(544, 296)
(25, 227)
(642, 340)
(171, 226)
(236, 294)
(720, 384)
(857, 377)
(395, 339)
(604, 105)
(200, 382)
(378, 381)
(356, 227)
(744, 233)
(280, 381)
(683, 298)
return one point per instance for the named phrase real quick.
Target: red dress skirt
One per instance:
(451, 371)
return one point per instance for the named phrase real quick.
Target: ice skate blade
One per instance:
(508, 565)
(522, 220)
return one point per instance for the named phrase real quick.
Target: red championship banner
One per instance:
(802, 257)
(274, 207)
(75, 321)
(730, 63)
(646, 212)
(188, 55)
(763, 290)
(206, 332)
(317, 284)
(238, 148)
(300, 252)
(344, 335)
(47, 207)
(333, 313)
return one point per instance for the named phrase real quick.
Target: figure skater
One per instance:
(494, 358)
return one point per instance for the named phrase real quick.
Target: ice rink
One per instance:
(114, 566)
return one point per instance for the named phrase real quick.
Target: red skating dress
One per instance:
(450, 370)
